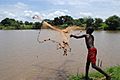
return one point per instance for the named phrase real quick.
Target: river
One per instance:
(23, 58)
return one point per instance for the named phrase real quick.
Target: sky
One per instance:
(49, 9)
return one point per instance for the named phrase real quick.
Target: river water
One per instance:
(23, 58)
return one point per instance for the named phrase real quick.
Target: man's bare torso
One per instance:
(89, 41)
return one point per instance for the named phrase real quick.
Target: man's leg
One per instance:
(101, 71)
(87, 69)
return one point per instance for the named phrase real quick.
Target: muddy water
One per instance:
(23, 58)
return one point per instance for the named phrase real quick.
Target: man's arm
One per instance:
(77, 36)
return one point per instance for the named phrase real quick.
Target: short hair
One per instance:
(90, 29)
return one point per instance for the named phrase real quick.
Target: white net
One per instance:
(63, 42)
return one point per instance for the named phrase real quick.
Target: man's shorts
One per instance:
(92, 52)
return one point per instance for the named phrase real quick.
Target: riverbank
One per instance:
(113, 71)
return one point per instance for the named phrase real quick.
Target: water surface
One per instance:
(23, 58)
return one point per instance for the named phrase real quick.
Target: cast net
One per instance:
(63, 43)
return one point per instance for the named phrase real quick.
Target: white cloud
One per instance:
(28, 14)
(51, 15)
(12, 11)
(68, 2)
(20, 5)
(9, 14)
(76, 8)
(21, 11)
(55, 14)
(83, 2)
(85, 14)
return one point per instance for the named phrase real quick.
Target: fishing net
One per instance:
(64, 36)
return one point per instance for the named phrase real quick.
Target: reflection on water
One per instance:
(23, 58)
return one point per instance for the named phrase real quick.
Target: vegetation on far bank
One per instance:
(111, 23)
(113, 71)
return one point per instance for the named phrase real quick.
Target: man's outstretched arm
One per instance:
(77, 36)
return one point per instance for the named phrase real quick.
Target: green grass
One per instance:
(113, 71)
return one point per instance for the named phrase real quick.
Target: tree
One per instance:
(37, 25)
(63, 20)
(5, 22)
(17, 25)
(113, 22)
(21, 22)
(30, 23)
(26, 23)
(68, 20)
(104, 26)
(56, 21)
(89, 22)
(10, 23)
(82, 20)
(77, 22)
(97, 23)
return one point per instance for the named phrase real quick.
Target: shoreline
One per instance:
(113, 71)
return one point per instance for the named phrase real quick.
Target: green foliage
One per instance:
(77, 22)
(63, 26)
(76, 77)
(1, 27)
(97, 23)
(28, 27)
(89, 21)
(103, 26)
(12, 24)
(114, 72)
(118, 28)
(111, 23)
(63, 20)
(37, 25)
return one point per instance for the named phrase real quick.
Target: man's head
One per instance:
(89, 30)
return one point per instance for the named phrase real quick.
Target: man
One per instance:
(92, 52)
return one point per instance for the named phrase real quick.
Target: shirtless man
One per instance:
(92, 52)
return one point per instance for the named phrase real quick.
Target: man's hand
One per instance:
(71, 35)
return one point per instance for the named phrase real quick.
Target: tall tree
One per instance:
(5, 22)
(26, 23)
(63, 20)
(56, 21)
(113, 22)
(68, 20)
(37, 25)
(97, 22)
(89, 21)
(77, 22)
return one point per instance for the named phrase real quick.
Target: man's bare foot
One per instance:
(87, 78)
(108, 78)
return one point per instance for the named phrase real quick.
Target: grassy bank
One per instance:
(113, 71)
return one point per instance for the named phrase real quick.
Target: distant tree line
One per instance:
(111, 23)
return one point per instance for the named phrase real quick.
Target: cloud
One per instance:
(76, 8)
(21, 5)
(18, 11)
(9, 14)
(50, 15)
(68, 2)
(85, 14)
(83, 2)
(57, 13)
(30, 13)
(21, 11)
(13, 11)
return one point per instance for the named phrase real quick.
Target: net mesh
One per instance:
(64, 36)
